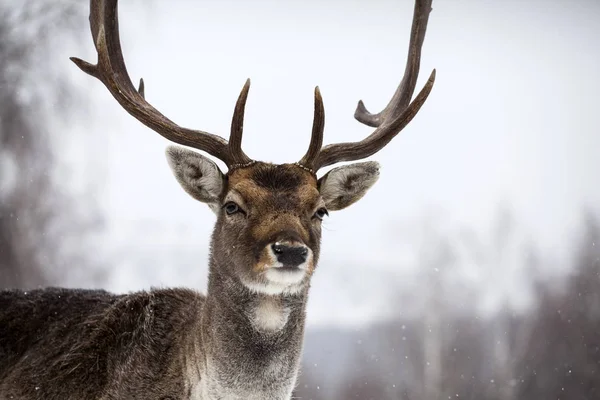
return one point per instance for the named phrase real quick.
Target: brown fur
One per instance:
(89, 344)
(176, 343)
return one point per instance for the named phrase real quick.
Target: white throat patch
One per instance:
(270, 315)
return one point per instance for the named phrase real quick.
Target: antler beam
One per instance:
(111, 71)
(394, 117)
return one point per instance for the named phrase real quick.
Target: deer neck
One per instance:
(230, 304)
(251, 342)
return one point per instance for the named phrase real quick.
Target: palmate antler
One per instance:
(389, 122)
(111, 71)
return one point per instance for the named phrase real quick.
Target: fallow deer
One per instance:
(243, 340)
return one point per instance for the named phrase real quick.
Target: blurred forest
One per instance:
(550, 350)
(38, 217)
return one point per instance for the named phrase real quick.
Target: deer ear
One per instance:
(345, 185)
(200, 177)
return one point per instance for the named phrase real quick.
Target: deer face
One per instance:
(269, 217)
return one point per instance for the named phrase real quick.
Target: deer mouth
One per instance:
(288, 268)
(281, 268)
(285, 275)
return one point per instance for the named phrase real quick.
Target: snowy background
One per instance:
(485, 205)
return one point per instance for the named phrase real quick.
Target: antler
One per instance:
(111, 71)
(316, 139)
(392, 119)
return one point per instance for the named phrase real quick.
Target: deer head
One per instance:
(268, 228)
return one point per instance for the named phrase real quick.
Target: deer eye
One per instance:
(231, 208)
(321, 213)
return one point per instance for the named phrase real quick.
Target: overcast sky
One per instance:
(512, 121)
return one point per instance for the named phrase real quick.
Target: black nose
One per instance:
(288, 255)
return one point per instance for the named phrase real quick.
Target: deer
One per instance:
(244, 338)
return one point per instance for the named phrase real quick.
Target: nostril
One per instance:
(277, 248)
(290, 256)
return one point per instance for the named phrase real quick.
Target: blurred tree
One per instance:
(563, 362)
(549, 351)
(34, 211)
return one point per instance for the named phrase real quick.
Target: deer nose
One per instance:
(290, 255)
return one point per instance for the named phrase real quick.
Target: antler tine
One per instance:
(316, 140)
(237, 128)
(399, 111)
(339, 152)
(405, 90)
(111, 71)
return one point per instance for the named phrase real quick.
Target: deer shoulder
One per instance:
(55, 343)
